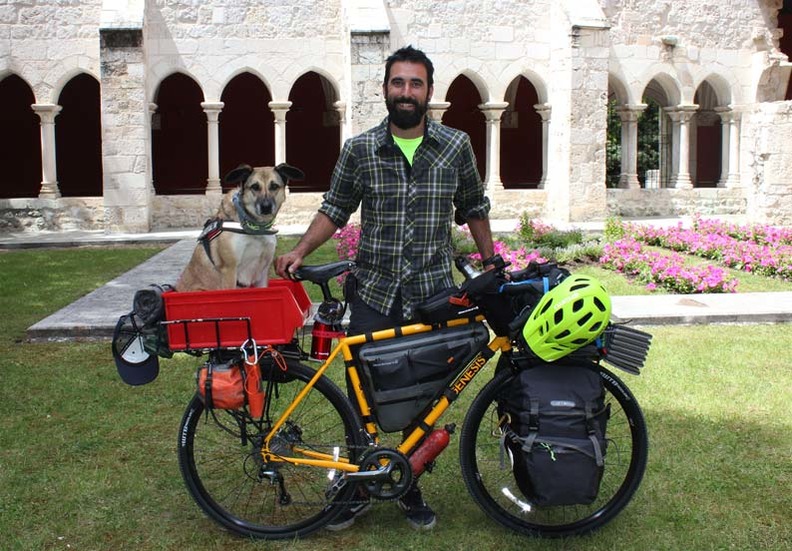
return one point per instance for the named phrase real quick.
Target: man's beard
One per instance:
(405, 119)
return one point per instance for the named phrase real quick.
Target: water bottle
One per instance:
(326, 327)
(435, 443)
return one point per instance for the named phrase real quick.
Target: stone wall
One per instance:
(47, 42)
(766, 158)
(64, 214)
(669, 203)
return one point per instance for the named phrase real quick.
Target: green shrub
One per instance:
(614, 229)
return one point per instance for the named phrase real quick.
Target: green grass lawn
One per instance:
(87, 462)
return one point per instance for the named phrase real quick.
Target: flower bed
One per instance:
(668, 271)
(764, 250)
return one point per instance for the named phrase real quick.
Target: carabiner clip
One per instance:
(245, 354)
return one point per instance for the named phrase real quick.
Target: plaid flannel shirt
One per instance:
(406, 212)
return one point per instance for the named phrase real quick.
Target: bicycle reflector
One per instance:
(135, 365)
(568, 317)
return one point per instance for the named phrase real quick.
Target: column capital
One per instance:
(279, 108)
(681, 113)
(725, 113)
(46, 111)
(212, 105)
(493, 110)
(212, 109)
(630, 112)
(544, 110)
(437, 109)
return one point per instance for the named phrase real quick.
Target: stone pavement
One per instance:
(93, 316)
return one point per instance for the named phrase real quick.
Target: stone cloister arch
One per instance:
(78, 138)
(717, 145)
(246, 124)
(20, 139)
(661, 97)
(705, 138)
(463, 113)
(523, 147)
(179, 137)
(313, 135)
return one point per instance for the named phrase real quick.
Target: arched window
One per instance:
(247, 127)
(465, 115)
(521, 137)
(313, 134)
(20, 140)
(178, 138)
(708, 138)
(656, 160)
(78, 138)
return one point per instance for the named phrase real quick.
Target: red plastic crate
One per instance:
(219, 319)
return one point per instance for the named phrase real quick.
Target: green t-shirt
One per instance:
(408, 146)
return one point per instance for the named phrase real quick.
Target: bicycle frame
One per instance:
(343, 347)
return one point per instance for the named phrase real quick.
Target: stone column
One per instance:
(492, 112)
(544, 110)
(212, 110)
(279, 109)
(437, 109)
(340, 107)
(681, 116)
(733, 179)
(725, 116)
(49, 175)
(629, 145)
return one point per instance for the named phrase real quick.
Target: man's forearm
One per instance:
(320, 230)
(482, 235)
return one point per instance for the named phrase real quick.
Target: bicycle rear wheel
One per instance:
(220, 460)
(488, 475)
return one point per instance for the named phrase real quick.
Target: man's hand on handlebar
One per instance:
(287, 264)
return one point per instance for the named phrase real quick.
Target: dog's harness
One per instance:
(246, 225)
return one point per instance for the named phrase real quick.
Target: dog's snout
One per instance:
(265, 206)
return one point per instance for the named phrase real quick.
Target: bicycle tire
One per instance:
(488, 477)
(228, 480)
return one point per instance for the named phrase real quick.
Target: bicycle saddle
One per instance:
(323, 272)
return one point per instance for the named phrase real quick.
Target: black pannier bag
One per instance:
(556, 433)
(401, 376)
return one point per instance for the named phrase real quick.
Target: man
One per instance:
(411, 177)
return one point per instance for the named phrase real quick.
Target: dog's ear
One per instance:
(288, 172)
(239, 174)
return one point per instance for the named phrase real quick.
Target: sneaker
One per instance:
(418, 513)
(348, 516)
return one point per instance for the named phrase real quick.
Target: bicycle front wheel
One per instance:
(221, 462)
(488, 475)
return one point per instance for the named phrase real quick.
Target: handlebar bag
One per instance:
(446, 305)
(402, 376)
(555, 435)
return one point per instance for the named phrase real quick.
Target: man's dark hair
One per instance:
(408, 53)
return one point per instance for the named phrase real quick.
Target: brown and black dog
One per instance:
(236, 247)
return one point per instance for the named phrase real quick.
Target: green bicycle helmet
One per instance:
(568, 317)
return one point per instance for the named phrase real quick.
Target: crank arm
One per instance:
(383, 473)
